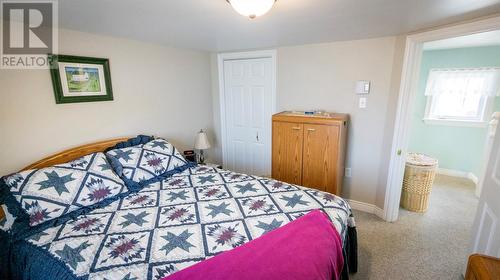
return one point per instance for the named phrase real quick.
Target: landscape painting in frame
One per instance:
(80, 79)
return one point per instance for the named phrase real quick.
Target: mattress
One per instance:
(170, 225)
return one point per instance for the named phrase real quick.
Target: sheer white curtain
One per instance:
(480, 81)
(461, 93)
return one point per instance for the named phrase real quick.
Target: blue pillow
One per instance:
(154, 160)
(136, 141)
(48, 193)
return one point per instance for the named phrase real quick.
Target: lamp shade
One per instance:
(201, 142)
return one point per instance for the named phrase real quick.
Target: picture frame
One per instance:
(80, 79)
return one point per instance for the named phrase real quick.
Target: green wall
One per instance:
(457, 148)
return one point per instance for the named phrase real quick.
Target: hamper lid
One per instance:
(420, 159)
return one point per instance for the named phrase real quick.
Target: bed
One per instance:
(193, 214)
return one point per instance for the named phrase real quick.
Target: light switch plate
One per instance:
(362, 102)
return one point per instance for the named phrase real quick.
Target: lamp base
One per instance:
(201, 158)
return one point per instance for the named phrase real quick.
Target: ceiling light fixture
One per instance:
(252, 8)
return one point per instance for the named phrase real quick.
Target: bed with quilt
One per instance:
(139, 210)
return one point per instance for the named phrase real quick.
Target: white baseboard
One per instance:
(379, 212)
(366, 207)
(452, 172)
(458, 173)
(473, 178)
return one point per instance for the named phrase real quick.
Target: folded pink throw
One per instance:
(305, 249)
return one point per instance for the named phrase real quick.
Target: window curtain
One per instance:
(481, 81)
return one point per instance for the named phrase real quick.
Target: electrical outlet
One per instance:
(348, 172)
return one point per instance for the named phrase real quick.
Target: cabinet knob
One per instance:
(311, 129)
(296, 128)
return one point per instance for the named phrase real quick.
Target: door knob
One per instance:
(257, 137)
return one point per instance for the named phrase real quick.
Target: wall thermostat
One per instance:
(362, 87)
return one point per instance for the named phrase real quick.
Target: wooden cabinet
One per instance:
(481, 267)
(310, 150)
(320, 156)
(287, 152)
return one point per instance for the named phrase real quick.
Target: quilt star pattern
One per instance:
(48, 193)
(180, 221)
(149, 160)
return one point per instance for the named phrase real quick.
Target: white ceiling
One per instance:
(491, 38)
(212, 25)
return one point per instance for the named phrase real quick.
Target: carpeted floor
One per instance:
(420, 246)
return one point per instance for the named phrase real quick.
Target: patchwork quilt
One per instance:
(48, 193)
(175, 223)
(142, 162)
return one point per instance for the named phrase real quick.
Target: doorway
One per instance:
(408, 92)
(247, 83)
(445, 99)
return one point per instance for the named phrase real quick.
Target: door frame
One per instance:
(408, 90)
(221, 57)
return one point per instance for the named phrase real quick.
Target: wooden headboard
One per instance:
(71, 154)
(74, 153)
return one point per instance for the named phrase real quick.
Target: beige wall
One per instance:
(167, 92)
(157, 90)
(392, 106)
(322, 76)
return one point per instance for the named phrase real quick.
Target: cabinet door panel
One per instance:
(320, 157)
(287, 152)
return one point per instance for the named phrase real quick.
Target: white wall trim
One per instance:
(366, 207)
(473, 178)
(445, 122)
(411, 70)
(457, 173)
(221, 57)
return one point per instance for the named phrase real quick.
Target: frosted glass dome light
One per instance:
(252, 8)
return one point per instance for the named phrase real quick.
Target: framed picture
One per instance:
(80, 79)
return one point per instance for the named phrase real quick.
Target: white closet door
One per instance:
(248, 89)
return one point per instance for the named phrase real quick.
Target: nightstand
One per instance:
(214, 165)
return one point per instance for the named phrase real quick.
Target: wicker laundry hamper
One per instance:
(420, 172)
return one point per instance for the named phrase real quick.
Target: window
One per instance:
(460, 95)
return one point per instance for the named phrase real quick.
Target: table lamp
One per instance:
(201, 143)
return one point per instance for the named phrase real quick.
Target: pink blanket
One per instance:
(307, 248)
